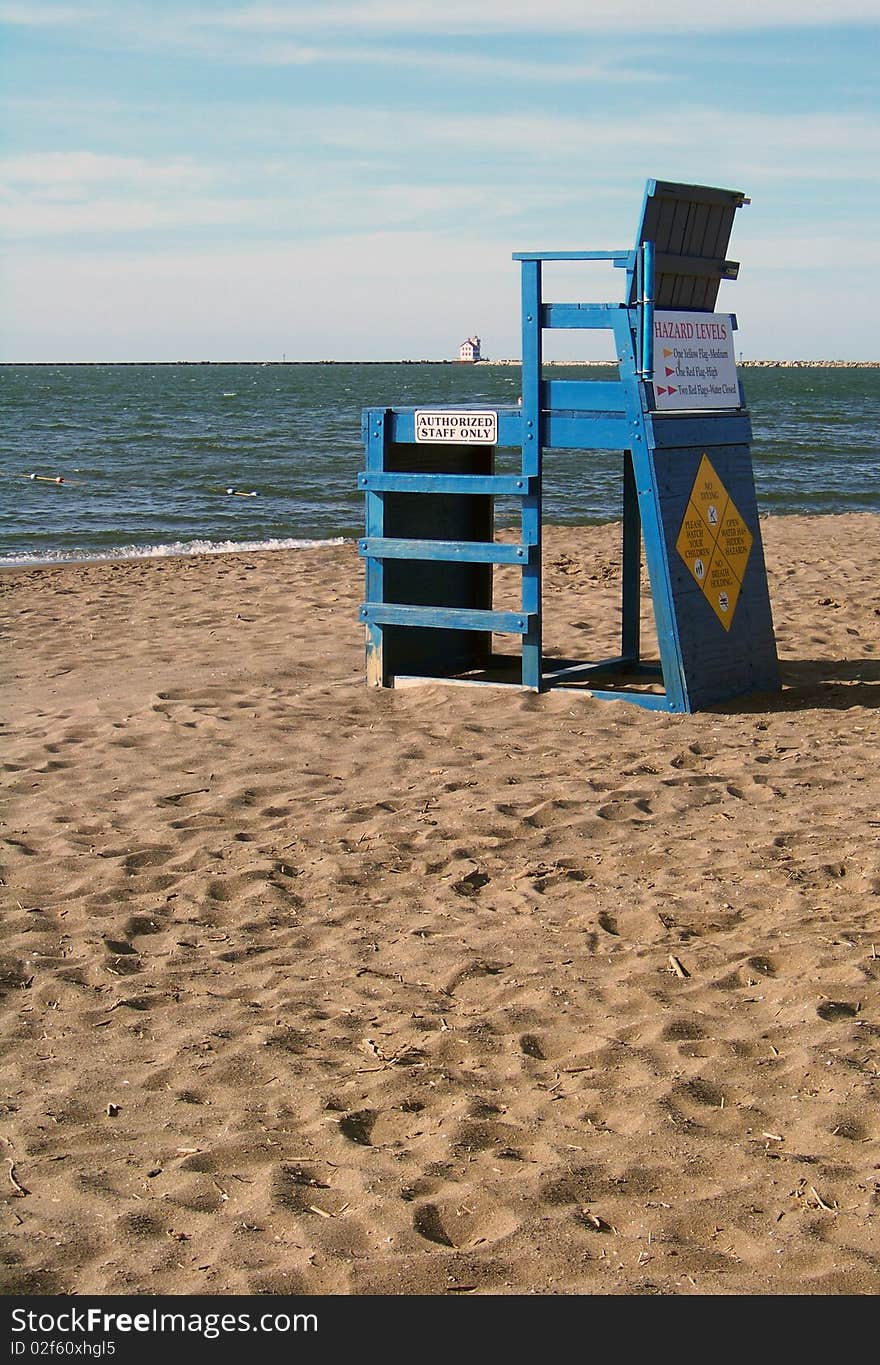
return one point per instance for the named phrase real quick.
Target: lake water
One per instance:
(147, 452)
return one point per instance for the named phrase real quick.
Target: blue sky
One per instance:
(227, 181)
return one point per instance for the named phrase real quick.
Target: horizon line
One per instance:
(472, 364)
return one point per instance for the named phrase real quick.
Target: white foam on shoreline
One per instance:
(183, 548)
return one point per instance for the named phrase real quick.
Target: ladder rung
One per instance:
(506, 485)
(455, 551)
(447, 618)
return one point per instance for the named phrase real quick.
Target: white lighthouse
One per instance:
(470, 350)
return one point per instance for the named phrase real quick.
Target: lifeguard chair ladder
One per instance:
(688, 491)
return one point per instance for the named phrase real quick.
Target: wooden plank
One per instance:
(579, 316)
(403, 680)
(465, 551)
(618, 257)
(534, 437)
(457, 618)
(583, 395)
(375, 427)
(631, 563)
(569, 671)
(704, 194)
(706, 429)
(649, 701)
(509, 485)
(707, 267)
(587, 432)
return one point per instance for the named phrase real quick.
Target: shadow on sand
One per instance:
(810, 684)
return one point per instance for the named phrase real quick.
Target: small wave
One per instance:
(183, 548)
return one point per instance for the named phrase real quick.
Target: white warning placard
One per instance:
(694, 361)
(465, 425)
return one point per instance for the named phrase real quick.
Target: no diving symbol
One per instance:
(723, 601)
(713, 516)
(699, 569)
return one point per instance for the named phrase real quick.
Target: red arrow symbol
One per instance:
(672, 390)
(669, 372)
(660, 389)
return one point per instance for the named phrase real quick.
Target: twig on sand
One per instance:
(16, 1184)
(820, 1201)
(678, 967)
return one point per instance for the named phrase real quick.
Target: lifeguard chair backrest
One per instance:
(690, 227)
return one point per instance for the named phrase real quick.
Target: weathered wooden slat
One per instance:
(456, 618)
(649, 701)
(508, 485)
(710, 267)
(566, 670)
(583, 395)
(707, 429)
(599, 431)
(616, 257)
(454, 551)
(579, 316)
(704, 194)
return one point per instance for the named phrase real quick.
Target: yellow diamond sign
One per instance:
(715, 543)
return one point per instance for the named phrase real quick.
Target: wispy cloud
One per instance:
(82, 171)
(68, 193)
(255, 33)
(436, 172)
(475, 64)
(544, 144)
(299, 37)
(38, 15)
(559, 16)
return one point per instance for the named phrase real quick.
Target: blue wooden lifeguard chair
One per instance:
(678, 415)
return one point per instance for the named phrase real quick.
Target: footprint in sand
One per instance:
(850, 1128)
(467, 1221)
(623, 808)
(832, 1010)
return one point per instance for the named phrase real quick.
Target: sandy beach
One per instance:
(312, 988)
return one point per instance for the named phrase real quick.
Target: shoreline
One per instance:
(158, 555)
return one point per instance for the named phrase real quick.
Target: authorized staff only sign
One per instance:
(463, 427)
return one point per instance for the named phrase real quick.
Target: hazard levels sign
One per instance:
(715, 543)
(694, 362)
